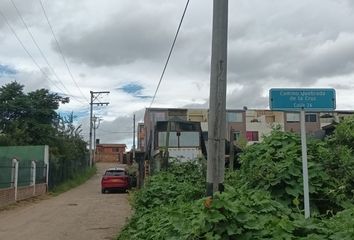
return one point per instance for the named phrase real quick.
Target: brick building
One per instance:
(110, 152)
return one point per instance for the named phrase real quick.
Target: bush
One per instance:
(275, 165)
(262, 200)
(180, 183)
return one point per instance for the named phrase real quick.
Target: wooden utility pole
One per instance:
(217, 100)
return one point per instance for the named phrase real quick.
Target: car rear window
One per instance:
(115, 173)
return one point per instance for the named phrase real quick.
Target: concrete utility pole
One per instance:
(95, 127)
(134, 138)
(217, 105)
(94, 96)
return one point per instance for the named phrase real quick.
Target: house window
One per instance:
(295, 117)
(189, 139)
(252, 136)
(292, 117)
(179, 139)
(236, 136)
(115, 149)
(311, 117)
(234, 117)
(159, 116)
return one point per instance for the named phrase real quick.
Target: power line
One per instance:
(122, 132)
(41, 52)
(169, 54)
(60, 50)
(28, 53)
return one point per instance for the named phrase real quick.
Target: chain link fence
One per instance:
(6, 169)
(61, 170)
(25, 173)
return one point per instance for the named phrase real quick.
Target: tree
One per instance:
(31, 119)
(27, 118)
(13, 105)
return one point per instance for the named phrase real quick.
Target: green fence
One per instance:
(6, 169)
(41, 172)
(24, 155)
(61, 169)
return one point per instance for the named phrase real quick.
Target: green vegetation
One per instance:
(262, 200)
(31, 119)
(77, 180)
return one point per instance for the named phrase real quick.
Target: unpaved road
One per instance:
(82, 213)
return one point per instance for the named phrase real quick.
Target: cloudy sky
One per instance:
(121, 46)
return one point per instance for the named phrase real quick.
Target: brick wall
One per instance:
(24, 192)
(7, 196)
(41, 189)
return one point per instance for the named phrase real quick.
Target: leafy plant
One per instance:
(262, 200)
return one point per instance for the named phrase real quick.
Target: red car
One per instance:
(115, 179)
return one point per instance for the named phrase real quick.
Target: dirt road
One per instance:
(82, 213)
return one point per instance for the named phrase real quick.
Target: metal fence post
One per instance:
(15, 175)
(46, 163)
(33, 163)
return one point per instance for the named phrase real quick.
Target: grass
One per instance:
(76, 181)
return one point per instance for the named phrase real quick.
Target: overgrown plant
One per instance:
(262, 200)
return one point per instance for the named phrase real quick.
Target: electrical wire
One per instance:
(60, 50)
(113, 132)
(169, 54)
(28, 53)
(42, 54)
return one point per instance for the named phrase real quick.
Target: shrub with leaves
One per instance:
(275, 165)
(234, 214)
(262, 200)
(181, 182)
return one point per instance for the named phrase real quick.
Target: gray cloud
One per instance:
(279, 43)
(332, 58)
(119, 130)
(339, 86)
(131, 34)
(29, 11)
(249, 96)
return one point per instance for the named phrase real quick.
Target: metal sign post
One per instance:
(303, 99)
(304, 164)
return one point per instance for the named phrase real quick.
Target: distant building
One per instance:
(244, 125)
(236, 128)
(312, 122)
(170, 128)
(141, 137)
(110, 152)
(329, 120)
(260, 123)
(185, 127)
